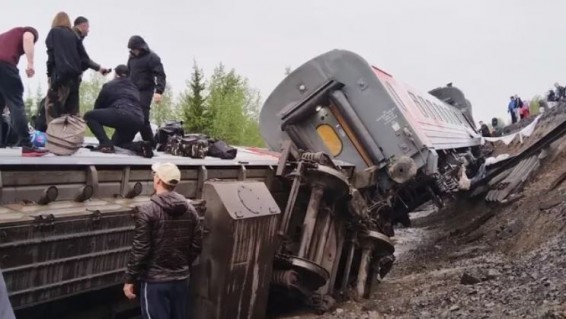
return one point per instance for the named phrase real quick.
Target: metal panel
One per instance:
(50, 258)
(64, 247)
(13, 156)
(234, 272)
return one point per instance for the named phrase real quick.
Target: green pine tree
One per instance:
(192, 103)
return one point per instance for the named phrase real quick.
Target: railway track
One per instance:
(480, 185)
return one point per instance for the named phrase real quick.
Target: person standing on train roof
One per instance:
(65, 60)
(167, 240)
(147, 73)
(511, 109)
(13, 44)
(81, 26)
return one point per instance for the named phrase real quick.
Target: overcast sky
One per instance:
(491, 49)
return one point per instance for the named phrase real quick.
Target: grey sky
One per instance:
(491, 49)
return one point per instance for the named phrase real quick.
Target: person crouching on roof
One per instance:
(118, 106)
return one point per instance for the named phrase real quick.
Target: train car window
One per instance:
(459, 116)
(330, 139)
(445, 112)
(396, 97)
(436, 113)
(430, 110)
(418, 104)
(452, 113)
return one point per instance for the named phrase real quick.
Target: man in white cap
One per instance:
(167, 240)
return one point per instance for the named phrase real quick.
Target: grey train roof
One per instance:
(380, 111)
(245, 156)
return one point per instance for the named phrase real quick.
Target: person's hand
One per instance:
(30, 71)
(129, 291)
(157, 98)
(104, 71)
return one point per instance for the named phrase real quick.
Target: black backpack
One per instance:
(170, 129)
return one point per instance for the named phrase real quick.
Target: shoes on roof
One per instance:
(147, 149)
(109, 149)
(32, 151)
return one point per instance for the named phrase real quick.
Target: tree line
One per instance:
(222, 106)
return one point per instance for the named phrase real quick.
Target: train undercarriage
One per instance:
(279, 230)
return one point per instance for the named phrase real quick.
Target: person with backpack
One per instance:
(13, 44)
(147, 73)
(118, 106)
(167, 240)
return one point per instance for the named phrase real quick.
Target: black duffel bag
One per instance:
(222, 150)
(188, 146)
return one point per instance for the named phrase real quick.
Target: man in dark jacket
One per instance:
(167, 240)
(146, 71)
(13, 44)
(118, 106)
(81, 27)
(64, 68)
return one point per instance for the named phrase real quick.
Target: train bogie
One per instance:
(406, 140)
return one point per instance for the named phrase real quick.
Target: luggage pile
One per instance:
(171, 139)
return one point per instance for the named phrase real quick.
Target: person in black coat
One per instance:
(118, 106)
(147, 73)
(65, 61)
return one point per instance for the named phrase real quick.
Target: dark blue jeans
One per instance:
(165, 300)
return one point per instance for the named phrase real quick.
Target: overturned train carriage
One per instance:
(66, 226)
(408, 146)
(308, 224)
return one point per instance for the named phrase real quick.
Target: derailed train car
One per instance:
(305, 225)
(66, 226)
(408, 146)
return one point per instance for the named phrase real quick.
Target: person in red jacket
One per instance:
(13, 44)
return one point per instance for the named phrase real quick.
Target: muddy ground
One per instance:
(473, 260)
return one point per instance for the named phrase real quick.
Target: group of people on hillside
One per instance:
(495, 129)
(556, 95)
(518, 109)
(123, 103)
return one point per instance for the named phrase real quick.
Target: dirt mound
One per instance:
(515, 127)
(475, 260)
(547, 122)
